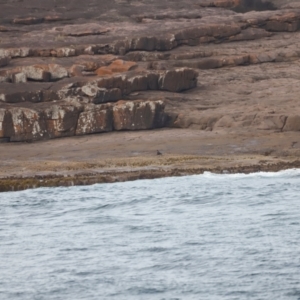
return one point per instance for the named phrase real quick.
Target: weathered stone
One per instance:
(136, 83)
(36, 73)
(15, 52)
(76, 70)
(57, 71)
(28, 124)
(178, 80)
(138, 115)
(65, 52)
(107, 95)
(101, 95)
(61, 120)
(19, 78)
(95, 119)
(4, 76)
(22, 96)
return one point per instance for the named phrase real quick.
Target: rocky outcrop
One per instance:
(32, 122)
(216, 65)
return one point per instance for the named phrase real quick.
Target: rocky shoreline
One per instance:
(21, 183)
(93, 69)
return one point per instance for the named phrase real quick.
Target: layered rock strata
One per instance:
(218, 65)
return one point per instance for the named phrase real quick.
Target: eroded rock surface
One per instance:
(217, 65)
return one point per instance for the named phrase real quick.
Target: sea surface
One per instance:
(196, 237)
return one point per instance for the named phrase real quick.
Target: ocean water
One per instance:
(196, 237)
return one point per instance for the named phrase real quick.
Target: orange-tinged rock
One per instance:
(103, 71)
(117, 66)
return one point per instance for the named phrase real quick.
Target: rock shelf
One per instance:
(76, 68)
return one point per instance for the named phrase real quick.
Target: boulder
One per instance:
(57, 72)
(61, 120)
(178, 80)
(99, 95)
(22, 96)
(64, 52)
(138, 115)
(15, 52)
(36, 73)
(19, 77)
(95, 119)
(28, 124)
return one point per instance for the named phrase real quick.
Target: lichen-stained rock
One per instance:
(61, 120)
(138, 115)
(65, 52)
(57, 71)
(15, 52)
(28, 124)
(36, 73)
(22, 96)
(99, 95)
(95, 119)
(178, 80)
(19, 77)
(135, 83)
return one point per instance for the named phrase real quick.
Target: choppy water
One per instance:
(196, 237)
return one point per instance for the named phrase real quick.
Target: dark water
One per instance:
(196, 237)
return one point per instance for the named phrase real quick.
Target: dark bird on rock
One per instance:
(158, 152)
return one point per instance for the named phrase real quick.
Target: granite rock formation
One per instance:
(75, 68)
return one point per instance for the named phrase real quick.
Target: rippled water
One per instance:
(196, 237)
